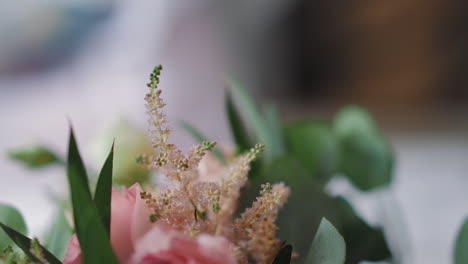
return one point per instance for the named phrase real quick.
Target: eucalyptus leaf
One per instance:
(24, 243)
(35, 156)
(92, 235)
(461, 245)
(102, 195)
(328, 246)
(284, 255)
(199, 137)
(315, 146)
(11, 217)
(366, 157)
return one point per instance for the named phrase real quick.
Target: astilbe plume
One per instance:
(195, 206)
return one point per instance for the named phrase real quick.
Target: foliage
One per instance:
(91, 217)
(309, 153)
(35, 156)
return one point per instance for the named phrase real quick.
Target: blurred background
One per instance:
(87, 62)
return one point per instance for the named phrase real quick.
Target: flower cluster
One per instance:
(191, 219)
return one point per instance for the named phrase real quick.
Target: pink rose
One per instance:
(129, 222)
(135, 240)
(164, 245)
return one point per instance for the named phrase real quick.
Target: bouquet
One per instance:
(216, 205)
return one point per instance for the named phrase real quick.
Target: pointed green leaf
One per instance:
(254, 119)
(24, 243)
(102, 195)
(328, 246)
(35, 156)
(199, 137)
(92, 235)
(284, 255)
(461, 246)
(12, 217)
(237, 127)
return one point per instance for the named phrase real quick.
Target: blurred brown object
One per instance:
(395, 51)
(405, 61)
(394, 57)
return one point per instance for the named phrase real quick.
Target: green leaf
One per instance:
(12, 217)
(199, 137)
(35, 157)
(315, 146)
(240, 135)
(461, 245)
(92, 235)
(255, 120)
(306, 206)
(237, 128)
(24, 243)
(354, 119)
(328, 246)
(365, 156)
(58, 234)
(284, 255)
(102, 195)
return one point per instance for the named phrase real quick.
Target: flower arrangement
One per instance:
(191, 217)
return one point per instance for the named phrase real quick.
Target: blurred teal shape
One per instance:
(37, 35)
(58, 234)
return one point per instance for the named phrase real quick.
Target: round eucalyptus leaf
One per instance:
(315, 146)
(365, 156)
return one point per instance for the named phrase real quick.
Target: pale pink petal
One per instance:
(217, 248)
(121, 211)
(141, 223)
(166, 245)
(73, 253)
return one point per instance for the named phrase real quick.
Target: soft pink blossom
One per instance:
(73, 254)
(135, 240)
(129, 222)
(164, 245)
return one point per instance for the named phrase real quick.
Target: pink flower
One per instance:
(129, 222)
(73, 254)
(135, 240)
(164, 245)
